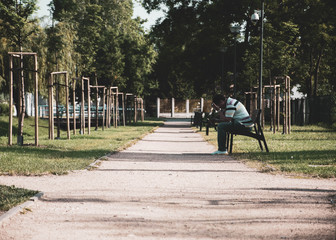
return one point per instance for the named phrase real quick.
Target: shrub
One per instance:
(4, 109)
(333, 110)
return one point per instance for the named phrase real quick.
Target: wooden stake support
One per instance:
(140, 105)
(253, 99)
(123, 107)
(113, 103)
(82, 131)
(73, 83)
(286, 104)
(275, 108)
(10, 127)
(104, 90)
(275, 101)
(51, 107)
(127, 96)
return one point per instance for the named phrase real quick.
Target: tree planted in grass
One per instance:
(15, 20)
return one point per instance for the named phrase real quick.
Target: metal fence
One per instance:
(312, 110)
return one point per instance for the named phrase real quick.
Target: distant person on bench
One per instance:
(233, 116)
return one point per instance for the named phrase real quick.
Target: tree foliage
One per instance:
(90, 38)
(299, 40)
(14, 18)
(107, 42)
(183, 55)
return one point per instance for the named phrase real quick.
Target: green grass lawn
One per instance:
(61, 156)
(12, 196)
(307, 151)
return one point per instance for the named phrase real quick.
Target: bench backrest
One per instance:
(255, 116)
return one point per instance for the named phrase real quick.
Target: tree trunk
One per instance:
(247, 33)
(22, 104)
(309, 79)
(96, 102)
(317, 67)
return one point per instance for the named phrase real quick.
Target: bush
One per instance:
(4, 109)
(333, 110)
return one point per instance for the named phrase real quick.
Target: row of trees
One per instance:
(299, 41)
(91, 38)
(94, 38)
(183, 55)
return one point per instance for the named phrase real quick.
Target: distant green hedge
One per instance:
(333, 110)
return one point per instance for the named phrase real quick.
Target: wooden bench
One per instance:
(197, 121)
(201, 120)
(257, 133)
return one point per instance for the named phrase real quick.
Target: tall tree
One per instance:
(15, 18)
(139, 58)
(110, 44)
(316, 20)
(189, 41)
(299, 36)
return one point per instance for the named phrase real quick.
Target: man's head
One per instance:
(219, 100)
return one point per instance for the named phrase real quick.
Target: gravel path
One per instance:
(167, 186)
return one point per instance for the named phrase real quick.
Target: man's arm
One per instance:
(221, 114)
(216, 107)
(222, 117)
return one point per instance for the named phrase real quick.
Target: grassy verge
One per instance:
(307, 151)
(61, 156)
(12, 196)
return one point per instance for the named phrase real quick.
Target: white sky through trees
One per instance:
(139, 11)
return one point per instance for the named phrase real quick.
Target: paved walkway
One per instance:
(168, 186)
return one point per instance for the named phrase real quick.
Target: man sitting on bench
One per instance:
(233, 116)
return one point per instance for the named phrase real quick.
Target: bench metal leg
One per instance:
(259, 140)
(259, 136)
(260, 145)
(265, 145)
(227, 140)
(231, 143)
(264, 140)
(261, 133)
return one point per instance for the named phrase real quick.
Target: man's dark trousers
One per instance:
(224, 127)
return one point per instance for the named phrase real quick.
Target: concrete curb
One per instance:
(10, 213)
(95, 164)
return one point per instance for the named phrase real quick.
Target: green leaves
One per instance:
(299, 38)
(109, 43)
(14, 18)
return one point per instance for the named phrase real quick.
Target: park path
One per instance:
(168, 186)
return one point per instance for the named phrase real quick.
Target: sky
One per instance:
(139, 11)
